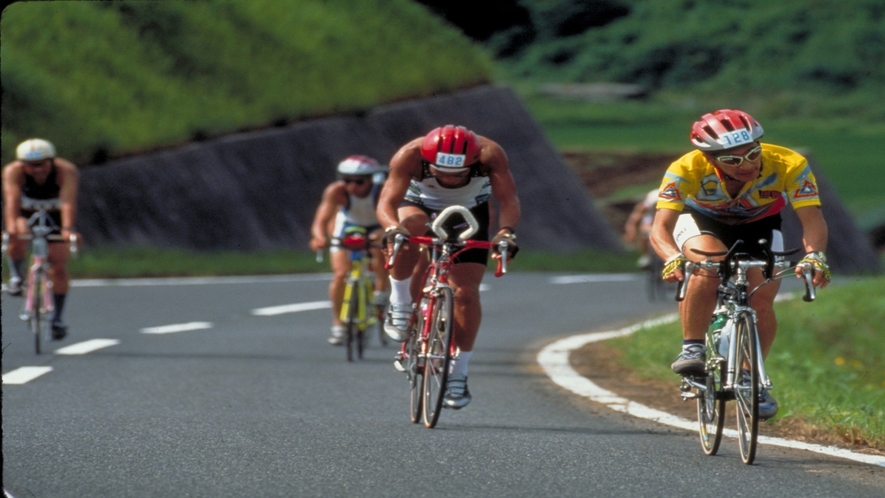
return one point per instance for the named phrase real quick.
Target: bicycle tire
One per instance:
(350, 321)
(439, 356)
(414, 370)
(711, 404)
(747, 397)
(37, 322)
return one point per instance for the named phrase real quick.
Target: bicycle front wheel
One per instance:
(38, 321)
(415, 369)
(746, 389)
(711, 407)
(439, 356)
(351, 299)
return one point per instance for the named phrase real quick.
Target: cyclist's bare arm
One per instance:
(662, 238)
(814, 237)
(69, 178)
(503, 186)
(13, 179)
(334, 196)
(404, 166)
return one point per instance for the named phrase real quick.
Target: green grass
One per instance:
(847, 153)
(826, 364)
(115, 78)
(136, 262)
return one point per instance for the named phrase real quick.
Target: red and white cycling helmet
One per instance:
(724, 129)
(359, 165)
(35, 149)
(451, 148)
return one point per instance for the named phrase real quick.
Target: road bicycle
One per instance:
(39, 302)
(734, 366)
(428, 351)
(359, 314)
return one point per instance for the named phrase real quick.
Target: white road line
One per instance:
(592, 278)
(554, 359)
(292, 308)
(23, 375)
(177, 327)
(87, 346)
(140, 282)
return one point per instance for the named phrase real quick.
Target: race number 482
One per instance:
(450, 160)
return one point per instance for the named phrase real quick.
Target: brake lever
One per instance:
(808, 276)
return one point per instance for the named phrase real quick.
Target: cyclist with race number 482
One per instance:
(733, 187)
(37, 174)
(449, 166)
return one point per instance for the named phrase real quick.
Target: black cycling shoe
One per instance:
(59, 331)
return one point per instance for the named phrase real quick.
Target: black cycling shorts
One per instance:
(750, 233)
(456, 223)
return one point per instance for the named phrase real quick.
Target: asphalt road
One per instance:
(261, 405)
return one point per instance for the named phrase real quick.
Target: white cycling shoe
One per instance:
(399, 318)
(457, 395)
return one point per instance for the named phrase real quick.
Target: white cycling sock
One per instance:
(399, 291)
(459, 363)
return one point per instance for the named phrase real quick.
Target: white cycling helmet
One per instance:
(359, 165)
(34, 149)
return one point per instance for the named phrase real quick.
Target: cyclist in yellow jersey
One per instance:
(733, 187)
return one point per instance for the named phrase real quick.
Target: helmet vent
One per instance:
(712, 133)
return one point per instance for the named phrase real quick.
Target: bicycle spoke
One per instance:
(436, 364)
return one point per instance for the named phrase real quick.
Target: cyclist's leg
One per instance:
(340, 261)
(59, 253)
(700, 297)
(763, 303)
(382, 278)
(15, 254)
(414, 219)
(465, 279)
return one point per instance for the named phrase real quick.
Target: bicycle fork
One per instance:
(31, 297)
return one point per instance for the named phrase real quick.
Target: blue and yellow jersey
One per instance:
(694, 182)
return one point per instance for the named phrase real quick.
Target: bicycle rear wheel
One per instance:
(439, 355)
(711, 407)
(747, 395)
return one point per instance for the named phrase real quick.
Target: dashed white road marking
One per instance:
(292, 308)
(23, 375)
(142, 282)
(87, 346)
(554, 359)
(177, 327)
(593, 278)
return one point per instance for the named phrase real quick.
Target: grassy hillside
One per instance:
(800, 58)
(111, 78)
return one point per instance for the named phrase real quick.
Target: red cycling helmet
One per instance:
(724, 129)
(451, 148)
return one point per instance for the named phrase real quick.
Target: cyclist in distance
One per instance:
(733, 187)
(37, 174)
(638, 226)
(349, 201)
(449, 166)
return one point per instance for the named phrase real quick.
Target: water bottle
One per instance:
(727, 330)
(719, 319)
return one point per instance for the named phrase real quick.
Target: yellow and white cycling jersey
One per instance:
(693, 182)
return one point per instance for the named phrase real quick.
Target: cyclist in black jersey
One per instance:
(38, 174)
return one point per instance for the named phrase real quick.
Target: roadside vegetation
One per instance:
(105, 79)
(136, 262)
(826, 363)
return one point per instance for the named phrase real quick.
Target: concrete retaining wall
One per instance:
(260, 190)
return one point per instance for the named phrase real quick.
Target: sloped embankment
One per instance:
(259, 190)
